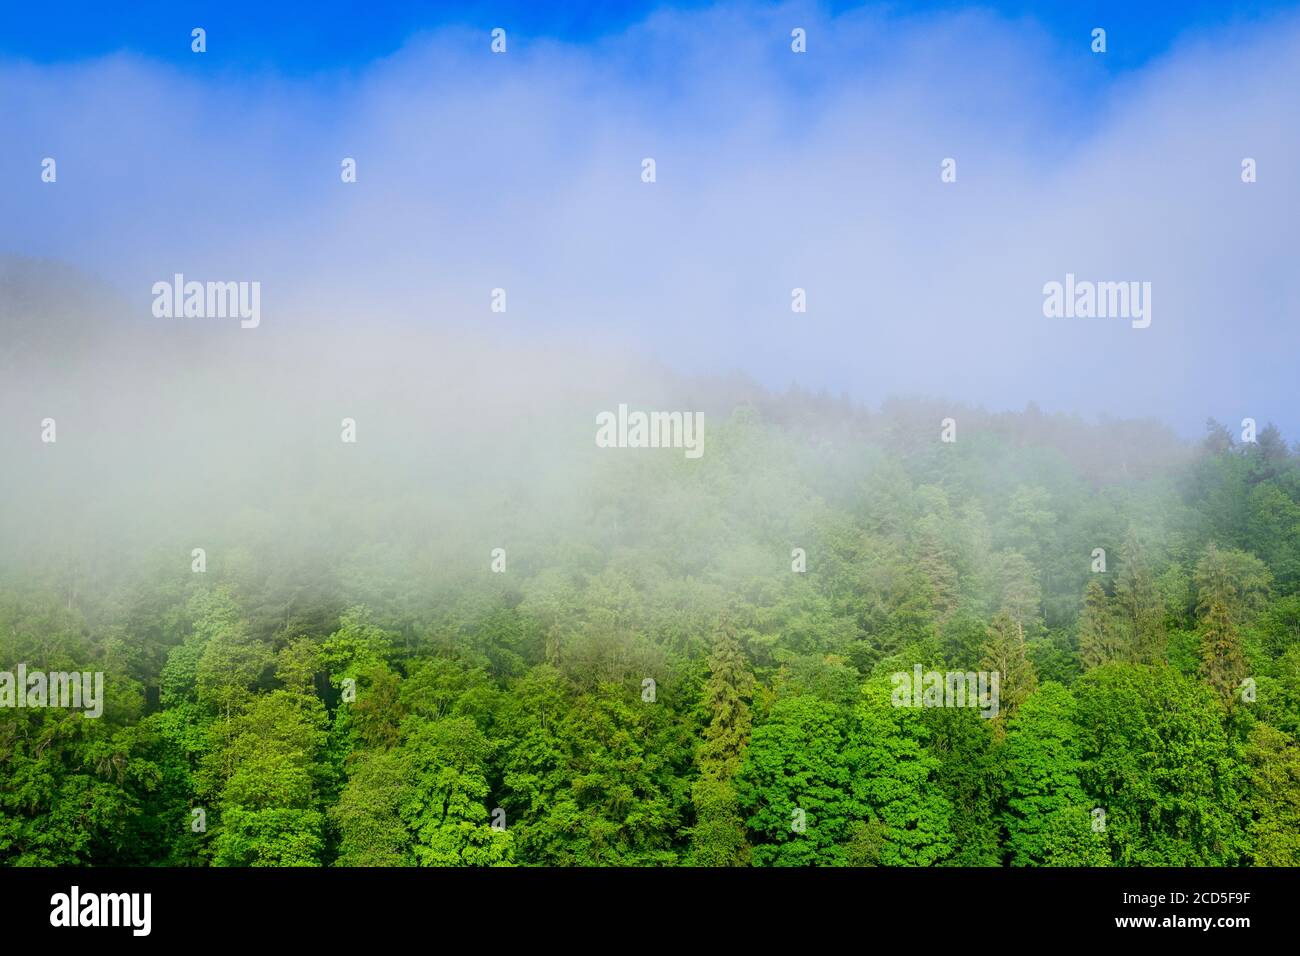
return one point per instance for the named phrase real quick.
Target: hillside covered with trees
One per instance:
(646, 676)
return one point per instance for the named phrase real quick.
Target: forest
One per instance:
(656, 661)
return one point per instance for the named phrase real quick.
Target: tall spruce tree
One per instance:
(726, 696)
(718, 836)
(1098, 641)
(1223, 665)
(1005, 653)
(1140, 605)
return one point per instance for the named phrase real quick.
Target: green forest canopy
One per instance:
(650, 682)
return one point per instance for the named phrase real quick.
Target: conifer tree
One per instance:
(1237, 580)
(1222, 662)
(718, 837)
(1098, 641)
(1004, 652)
(1230, 585)
(1140, 606)
(726, 695)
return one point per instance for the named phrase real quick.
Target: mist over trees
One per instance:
(650, 678)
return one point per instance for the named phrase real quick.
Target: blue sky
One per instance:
(328, 34)
(775, 171)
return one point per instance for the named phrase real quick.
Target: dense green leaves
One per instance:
(692, 664)
(1157, 760)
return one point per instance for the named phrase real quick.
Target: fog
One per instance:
(523, 172)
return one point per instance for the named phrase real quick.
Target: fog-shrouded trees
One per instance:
(687, 662)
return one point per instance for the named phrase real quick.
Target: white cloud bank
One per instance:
(775, 171)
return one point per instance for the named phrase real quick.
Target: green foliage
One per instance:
(1070, 838)
(655, 681)
(368, 813)
(1274, 761)
(1099, 637)
(1041, 764)
(1157, 760)
(895, 780)
(718, 836)
(795, 786)
(1005, 653)
(593, 777)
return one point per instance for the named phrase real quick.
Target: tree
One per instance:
(1041, 761)
(1004, 653)
(1156, 760)
(894, 774)
(377, 713)
(726, 699)
(368, 813)
(1140, 606)
(591, 779)
(718, 837)
(1274, 796)
(1222, 662)
(1230, 589)
(795, 785)
(1031, 521)
(1233, 579)
(1070, 837)
(968, 777)
(357, 647)
(1098, 642)
(936, 557)
(269, 811)
(1218, 439)
(444, 803)
(1021, 592)
(229, 668)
